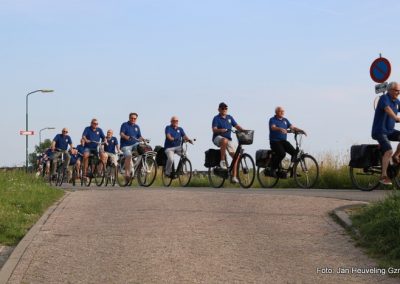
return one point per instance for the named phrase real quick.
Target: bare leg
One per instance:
(396, 154)
(234, 173)
(223, 145)
(85, 163)
(128, 160)
(385, 162)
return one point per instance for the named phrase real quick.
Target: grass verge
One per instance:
(23, 199)
(379, 228)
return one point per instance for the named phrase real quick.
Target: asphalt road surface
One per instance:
(195, 235)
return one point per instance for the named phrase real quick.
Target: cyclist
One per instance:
(112, 147)
(60, 143)
(74, 162)
(278, 128)
(383, 127)
(221, 126)
(91, 135)
(80, 150)
(130, 138)
(173, 143)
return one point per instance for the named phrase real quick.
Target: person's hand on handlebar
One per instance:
(283, 130)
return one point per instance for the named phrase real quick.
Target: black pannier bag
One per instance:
(143, 148)
(263, 157)
(365, 155)
(161, 157)
(213, 157)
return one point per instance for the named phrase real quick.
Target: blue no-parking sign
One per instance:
(380, 70)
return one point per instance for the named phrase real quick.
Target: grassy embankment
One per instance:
(379, 228)
(23, 199)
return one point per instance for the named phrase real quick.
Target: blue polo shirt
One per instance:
(96, 135)
(74, 158)
(383, 123)
(223, 123)
(62, 141)
(112, 143)
(131, 130)
(177, 133)
(80, 149)
(281, 123)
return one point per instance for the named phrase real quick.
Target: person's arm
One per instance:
(169, 137)
(53, 145)
(391, 114)
(238, 127)
(276, 128)
(294, 128)
(187, 139)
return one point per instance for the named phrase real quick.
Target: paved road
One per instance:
(193, 236)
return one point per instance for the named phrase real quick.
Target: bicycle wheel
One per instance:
(147, 171)
(306, 171)
(165, 180)
(89, 175)
(185, 172)
(60, 174)
(264, 179)
(366, 179)
(246, 171)
(111, 172)
(73, 176)
(99, 173)
(215, 180)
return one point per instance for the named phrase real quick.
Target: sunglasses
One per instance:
(65, 131)
(133, 117)
(95, 123)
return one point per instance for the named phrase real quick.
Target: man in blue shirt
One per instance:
(278, 128)
(221, 126)
(174, 137)
(59, 145)
(130, 138)
(92, 135)
(383, 127)
(112, 147)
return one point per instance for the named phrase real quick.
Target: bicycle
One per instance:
(110, 173)
(245, 163)
(76, 172)
(95, 169)
(365, 167)
(303, 167)
(61, 171)
(183, 171)
(143, 166)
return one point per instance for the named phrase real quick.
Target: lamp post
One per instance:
(26, 123)
(40, 133)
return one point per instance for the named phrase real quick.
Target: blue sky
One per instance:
(105, 59)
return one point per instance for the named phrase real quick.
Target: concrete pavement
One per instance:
(176, 236)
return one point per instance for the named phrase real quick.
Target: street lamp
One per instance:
(40, 133)
(26, 123)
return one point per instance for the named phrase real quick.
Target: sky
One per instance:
(159, 58)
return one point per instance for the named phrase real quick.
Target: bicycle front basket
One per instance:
(245, 137)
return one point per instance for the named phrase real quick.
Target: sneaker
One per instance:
(222, 165)
(385, 181)
(235, 180)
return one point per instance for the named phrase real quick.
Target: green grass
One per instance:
(379, 227)
(23, 199)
